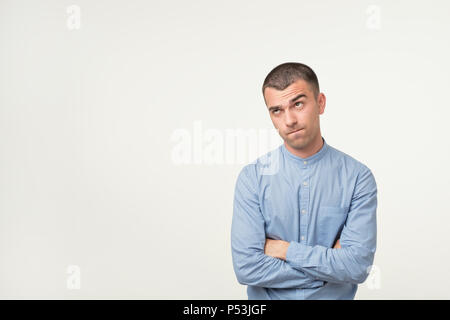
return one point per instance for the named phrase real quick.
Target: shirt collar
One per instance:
(309, 160)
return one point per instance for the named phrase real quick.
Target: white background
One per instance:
(87, 176)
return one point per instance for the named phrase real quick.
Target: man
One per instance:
(306, 228)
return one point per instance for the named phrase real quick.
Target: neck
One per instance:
(309, 150)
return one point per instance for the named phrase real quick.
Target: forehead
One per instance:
(282, 97)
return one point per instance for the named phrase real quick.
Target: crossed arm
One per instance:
(281, 264)
(278, 248)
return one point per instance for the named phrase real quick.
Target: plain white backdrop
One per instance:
(92, 203)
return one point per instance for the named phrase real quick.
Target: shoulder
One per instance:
(265, 165)
(347, 161)
(360, 173)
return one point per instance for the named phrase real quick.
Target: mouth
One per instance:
(294, 131)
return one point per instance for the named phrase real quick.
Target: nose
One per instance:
(290, 119)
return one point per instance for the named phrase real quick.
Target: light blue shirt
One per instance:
(310, 203)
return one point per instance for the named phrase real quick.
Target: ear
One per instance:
(321, 101)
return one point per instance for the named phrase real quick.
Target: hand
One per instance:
(337, 245)
(276, 248)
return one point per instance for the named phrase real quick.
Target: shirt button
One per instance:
(305, 183)
(303, 238)
(305, 162)
(303, 211)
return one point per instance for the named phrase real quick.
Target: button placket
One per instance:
(304, 206)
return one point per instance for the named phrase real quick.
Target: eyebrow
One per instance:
(301, 95)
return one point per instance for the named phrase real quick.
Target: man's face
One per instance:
(295, 113)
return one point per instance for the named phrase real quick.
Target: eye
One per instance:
(296, 104)
(276, 111)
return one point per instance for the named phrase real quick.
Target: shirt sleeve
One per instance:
(351, 262)
(251, 265)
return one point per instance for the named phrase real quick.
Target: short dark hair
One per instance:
(287, 73)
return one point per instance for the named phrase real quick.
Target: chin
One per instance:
(298, 143)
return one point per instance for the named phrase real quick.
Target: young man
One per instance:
(306, 227)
